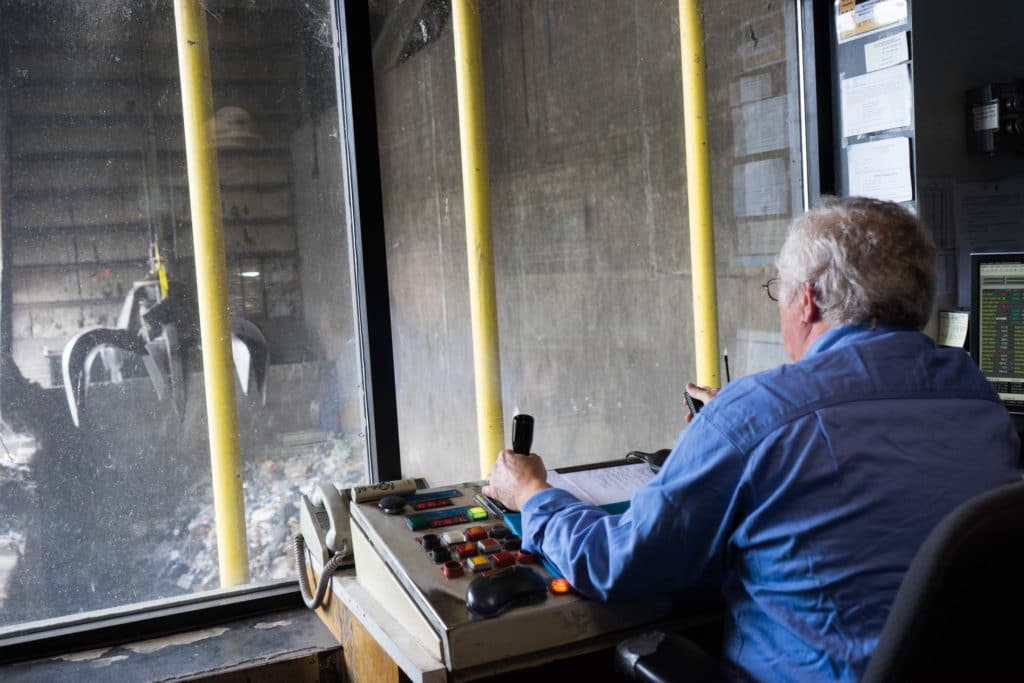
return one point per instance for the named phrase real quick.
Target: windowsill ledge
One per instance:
(293, 641)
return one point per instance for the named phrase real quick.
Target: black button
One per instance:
(440, 554)
(392, 505)
(512, 544)
(498, 531)
(430, 541)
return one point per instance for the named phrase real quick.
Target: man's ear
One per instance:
(809, 312)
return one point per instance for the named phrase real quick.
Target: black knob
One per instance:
(522, 434)
(391, 505)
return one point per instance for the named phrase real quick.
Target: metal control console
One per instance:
(417, 562)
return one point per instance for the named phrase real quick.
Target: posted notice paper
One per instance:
(877, 100)
(881, 169)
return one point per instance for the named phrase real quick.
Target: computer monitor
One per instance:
(997, 323)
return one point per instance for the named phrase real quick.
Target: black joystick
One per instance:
(522, 433)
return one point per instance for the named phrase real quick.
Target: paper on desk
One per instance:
(603, 485)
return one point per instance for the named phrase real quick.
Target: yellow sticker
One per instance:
(846, 5)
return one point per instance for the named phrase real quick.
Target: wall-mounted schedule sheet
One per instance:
(877, 101)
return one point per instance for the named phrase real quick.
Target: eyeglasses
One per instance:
(772, 288)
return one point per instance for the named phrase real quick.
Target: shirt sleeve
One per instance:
(675, 533)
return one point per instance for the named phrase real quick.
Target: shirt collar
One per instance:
(843, 335)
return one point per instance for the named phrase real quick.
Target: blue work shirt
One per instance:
(802, 493)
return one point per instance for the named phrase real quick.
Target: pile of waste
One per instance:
(16, 486)
(187, 553)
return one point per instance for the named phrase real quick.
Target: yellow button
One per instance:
(560, 585)
(478, 564)
(477, 513)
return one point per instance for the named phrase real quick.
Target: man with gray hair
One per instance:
(802, 492)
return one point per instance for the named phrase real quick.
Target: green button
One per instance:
(476, 513)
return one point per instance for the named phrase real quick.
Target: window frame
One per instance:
(368, 266)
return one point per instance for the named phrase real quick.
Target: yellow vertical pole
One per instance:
(479, 241)
(211, 281)
(698, 188)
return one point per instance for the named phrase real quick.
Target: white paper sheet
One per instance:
(760, 188)
(756, 87)
(886, 52)
(864, 17)
(759, 126)
(881, 169)
(603, 485)
(878, 100)
(952, 328)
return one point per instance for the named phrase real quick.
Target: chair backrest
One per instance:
(959, 610)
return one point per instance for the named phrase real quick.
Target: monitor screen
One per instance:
(997, 323)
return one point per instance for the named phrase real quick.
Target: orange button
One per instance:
(560, 585)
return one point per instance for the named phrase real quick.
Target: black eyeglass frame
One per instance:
(772, 284)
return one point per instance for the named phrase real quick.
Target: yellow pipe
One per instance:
(698, 188)
(479, 242)
(211, 282)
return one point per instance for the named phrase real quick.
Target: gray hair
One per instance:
(869, 262)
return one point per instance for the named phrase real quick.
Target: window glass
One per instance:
(589, 213)
(95, 213)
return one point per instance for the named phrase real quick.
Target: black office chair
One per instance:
(956, 616)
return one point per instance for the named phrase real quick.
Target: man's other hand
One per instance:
(515, 477)
(700, 393)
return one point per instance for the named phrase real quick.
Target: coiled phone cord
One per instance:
(313, 601)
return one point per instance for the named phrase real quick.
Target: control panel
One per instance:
(444, 562)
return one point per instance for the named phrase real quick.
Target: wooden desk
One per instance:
(376, 648)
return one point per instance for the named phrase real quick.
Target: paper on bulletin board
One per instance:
(750, 88)
(881, 169)
(760, 188)
(887, 51)
(952, 328)
(988, 217)
(864, 17)
(759, 126)
(876, 101)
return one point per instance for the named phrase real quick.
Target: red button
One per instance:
(464, 550)
(452, 569)
(475, 533)
(488, 545)
(503, 559)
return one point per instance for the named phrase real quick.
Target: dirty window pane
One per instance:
(95, 212)
(589, 213)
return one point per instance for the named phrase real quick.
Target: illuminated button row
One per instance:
(437, 519)
(476, 549)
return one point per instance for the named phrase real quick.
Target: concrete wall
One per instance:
(97, 161)
(584, 120)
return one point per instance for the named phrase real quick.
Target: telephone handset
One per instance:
(339, 533)
(326, 533)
